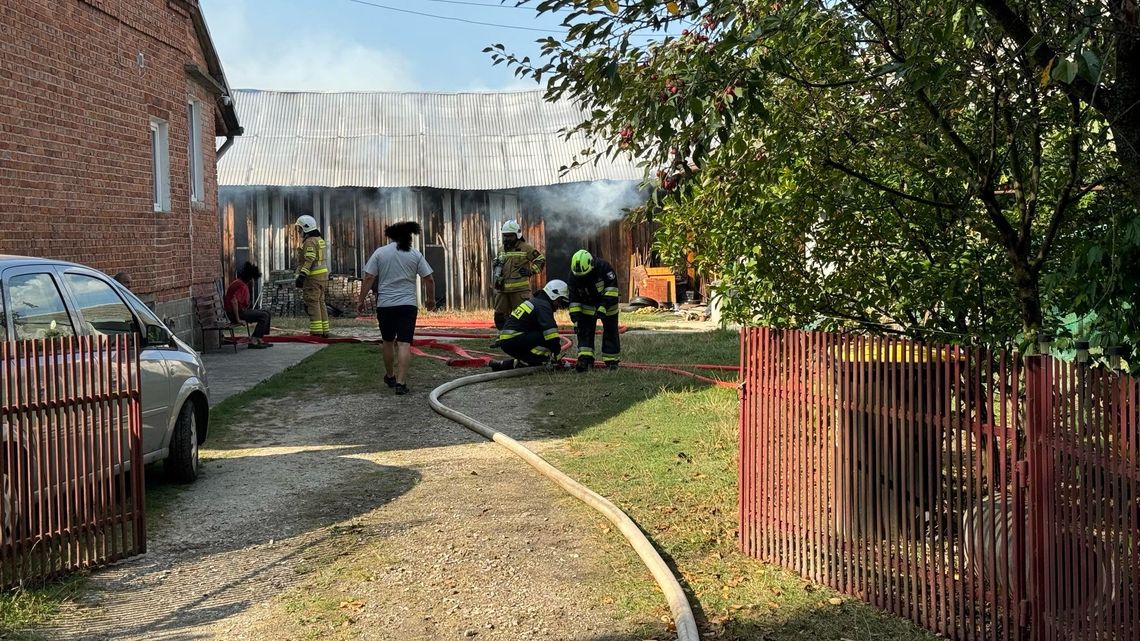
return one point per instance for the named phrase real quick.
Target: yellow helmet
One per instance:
(581, 263)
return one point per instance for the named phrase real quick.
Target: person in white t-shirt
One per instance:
(394, 268)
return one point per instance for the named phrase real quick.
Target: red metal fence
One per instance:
(979, 494)
(70, 429)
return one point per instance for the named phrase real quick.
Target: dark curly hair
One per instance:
(402, 233)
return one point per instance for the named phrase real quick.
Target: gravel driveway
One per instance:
(364, 517)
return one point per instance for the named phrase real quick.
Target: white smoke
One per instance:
(581, 208)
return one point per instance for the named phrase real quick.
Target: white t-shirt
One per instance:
(395, 273)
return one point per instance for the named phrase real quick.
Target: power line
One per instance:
(479, 22)
(484, 4)
(453, 18)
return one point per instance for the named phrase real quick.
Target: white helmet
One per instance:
(511, 227)
(556, 289)
(307, 224)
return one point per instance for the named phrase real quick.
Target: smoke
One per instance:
(581, 209)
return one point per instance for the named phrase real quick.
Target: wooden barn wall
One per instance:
(256, 224)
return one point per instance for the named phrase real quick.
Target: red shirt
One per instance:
(237, 293)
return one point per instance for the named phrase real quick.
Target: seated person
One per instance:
(530, 333)
(238, 309)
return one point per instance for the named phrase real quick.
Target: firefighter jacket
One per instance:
(510, 263)
(596, 289)
(534, 316)
(312, 258)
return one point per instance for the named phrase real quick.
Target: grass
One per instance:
(24, 608)
(342, 369)
(664, 449)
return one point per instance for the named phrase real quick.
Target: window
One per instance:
(37, 308)
(194, 118)
(160, 163)
(103, 311)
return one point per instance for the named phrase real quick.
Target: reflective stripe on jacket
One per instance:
(536, 314)
(597, 288)
(512, 262)
(311, 257)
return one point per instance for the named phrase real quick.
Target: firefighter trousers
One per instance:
(585, 318)
(529, 348)
(314, 293)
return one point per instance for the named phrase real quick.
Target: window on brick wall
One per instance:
(160, 163)
(194, 119)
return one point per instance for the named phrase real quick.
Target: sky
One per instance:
(347, 45)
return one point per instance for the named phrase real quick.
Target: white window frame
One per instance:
(197, 166)
(160, 164)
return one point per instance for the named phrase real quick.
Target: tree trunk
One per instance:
(1125, 116)
(1029, 295)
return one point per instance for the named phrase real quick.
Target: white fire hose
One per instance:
(678, 604)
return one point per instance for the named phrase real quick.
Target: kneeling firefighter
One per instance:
(594, 295)
(313, 276)
(530, 333)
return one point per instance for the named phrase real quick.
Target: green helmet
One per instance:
(581, 263)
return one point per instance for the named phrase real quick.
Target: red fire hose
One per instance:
(463, 357)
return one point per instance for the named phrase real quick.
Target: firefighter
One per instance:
(594, 295)
(313, 276)
(530, 334)
(516, 262)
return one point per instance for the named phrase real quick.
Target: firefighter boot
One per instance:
(585, 363)
(503, 365)
(611, 365)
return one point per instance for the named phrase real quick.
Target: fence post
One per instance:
(1038, 406)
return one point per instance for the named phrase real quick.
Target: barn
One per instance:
(459, 163)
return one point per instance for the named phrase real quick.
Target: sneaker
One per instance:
(390, 381)
(611, 365)
(400, 388)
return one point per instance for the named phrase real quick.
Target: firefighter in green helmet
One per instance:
(593, 296)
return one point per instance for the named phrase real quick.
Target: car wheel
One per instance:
(182, 461)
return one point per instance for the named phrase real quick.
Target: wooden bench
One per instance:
(212, 318)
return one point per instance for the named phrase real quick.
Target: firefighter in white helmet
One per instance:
(313, 275)
(516, 262)
(530, 334)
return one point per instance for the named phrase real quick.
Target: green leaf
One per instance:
(1064, 71)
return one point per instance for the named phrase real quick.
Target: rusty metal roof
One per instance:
(463, 141)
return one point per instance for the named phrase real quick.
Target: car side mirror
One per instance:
(158, 336)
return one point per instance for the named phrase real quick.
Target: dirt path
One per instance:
(336, 519)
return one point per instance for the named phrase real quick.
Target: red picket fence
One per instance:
(71, 430)
(980, 495)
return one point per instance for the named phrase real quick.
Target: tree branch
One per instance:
(886, 188)
(1042, 54)
(1066, 200)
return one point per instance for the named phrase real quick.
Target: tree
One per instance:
(919, 166)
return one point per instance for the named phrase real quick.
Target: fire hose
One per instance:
(679, 605)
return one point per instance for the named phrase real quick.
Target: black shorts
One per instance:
(397, 323)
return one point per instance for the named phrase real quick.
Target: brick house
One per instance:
(109, 115)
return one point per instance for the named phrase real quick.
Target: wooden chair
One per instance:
(212, 318)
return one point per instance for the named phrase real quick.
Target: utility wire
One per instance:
(452, 18)
(484, 4)
(478, 22)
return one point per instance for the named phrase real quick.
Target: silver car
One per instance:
(42, 298)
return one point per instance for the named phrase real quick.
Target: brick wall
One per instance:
(79, 82)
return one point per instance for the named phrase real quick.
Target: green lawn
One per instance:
(664, 448)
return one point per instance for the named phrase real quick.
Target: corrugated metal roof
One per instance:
(463, 141)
